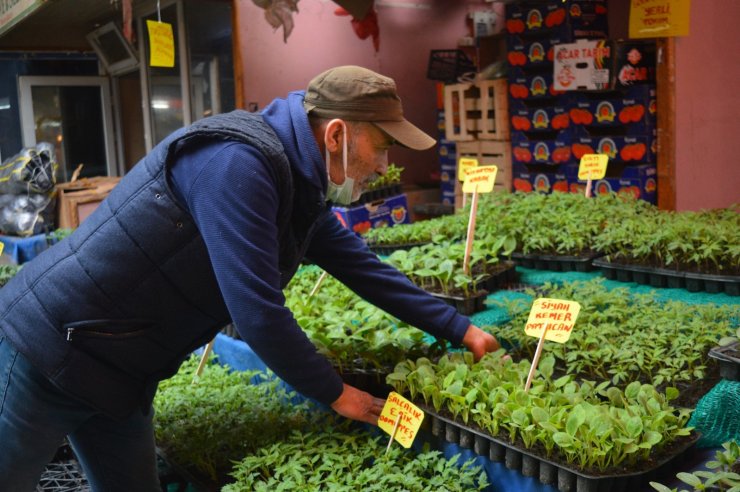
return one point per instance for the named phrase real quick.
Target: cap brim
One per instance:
(406, 134)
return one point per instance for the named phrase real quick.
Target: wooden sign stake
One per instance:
(318, 284)
(535, 360)
(471, 233)
(203, 360)
(393, 434)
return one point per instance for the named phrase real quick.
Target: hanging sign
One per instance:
(659, 18)
(463, 164)
(161, 44)
(480, 179)
(401, 419)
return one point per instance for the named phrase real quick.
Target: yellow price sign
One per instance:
(463, 165)
(161, 44)
(401, 417)
(592, 166)
(480, 179)
(659, 18)
(557, 315)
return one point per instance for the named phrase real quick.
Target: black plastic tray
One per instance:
(561, 476)
(370, 196)
(556, 262)
(503, 277)
(465, 305)
(675, 279)
(372, 382)
(729, 365)
(387, 249)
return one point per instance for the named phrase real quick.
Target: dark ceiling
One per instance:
(63, 24)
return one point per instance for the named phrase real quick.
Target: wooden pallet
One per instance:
(488, 153)
(478, 111)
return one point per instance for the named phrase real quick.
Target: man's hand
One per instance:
(358, 405)
(479, 342)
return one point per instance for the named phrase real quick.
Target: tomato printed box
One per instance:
(527, 53)
(639, 149)
(525, 118)
(380, 213)
(531, 86)
(539, 178)
(639, 181)
(570, 19)
(527, 149)
(630, 111)
(602, 65)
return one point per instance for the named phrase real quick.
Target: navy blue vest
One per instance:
(117, 306)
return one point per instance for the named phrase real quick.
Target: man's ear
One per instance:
(333, 138)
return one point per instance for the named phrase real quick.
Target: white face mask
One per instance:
(339, 194)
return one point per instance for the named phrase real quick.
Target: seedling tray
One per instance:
(675, 279)
(565, 477)
(370, 196)
(501, 278)
(556, 263)
(387, 249)
(372, 382)
(465, 305)
(729, 360)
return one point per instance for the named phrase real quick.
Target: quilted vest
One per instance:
(115, 307)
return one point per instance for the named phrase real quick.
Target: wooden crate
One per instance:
(488, 153)
(477, 111)
(76, 200)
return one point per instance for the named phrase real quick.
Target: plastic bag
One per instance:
(27, 182)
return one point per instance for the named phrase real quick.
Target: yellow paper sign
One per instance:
(408, 425)
(480, 179)
(593, 166)
(557, 315)
(161, 44)
(2, 248)
(463, 164)
(659, 18)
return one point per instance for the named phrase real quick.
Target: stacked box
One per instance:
(380, 213)
(447, 155)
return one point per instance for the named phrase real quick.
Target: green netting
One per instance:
(717, 415)
(536, 277)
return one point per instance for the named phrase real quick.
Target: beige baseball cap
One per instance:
(357, 94)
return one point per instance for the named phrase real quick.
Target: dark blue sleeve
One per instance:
(347, 258)
(229, 191)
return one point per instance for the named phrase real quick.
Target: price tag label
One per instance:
(411, 417)
(463, 164)
(480, 179)
(161, 44)
(557, 315)
(593, 166)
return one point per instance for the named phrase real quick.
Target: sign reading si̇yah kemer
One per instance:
(557, 315)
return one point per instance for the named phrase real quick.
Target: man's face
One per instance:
(367, 151)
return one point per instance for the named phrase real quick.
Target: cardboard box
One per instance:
(381, 213)
(540, 178)
(77, 200)
(540, 119)
(630, 111)
(528, 149)
(570, 19)
(602, 65)
(528, 53)
(531, 87)
(638, 149)
(639, 181)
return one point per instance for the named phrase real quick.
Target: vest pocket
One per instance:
(130, 346)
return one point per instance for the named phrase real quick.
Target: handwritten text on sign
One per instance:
(411, 418)
(659, 18)
(480, 179)
(161, 44)
(593, 166)
(557, 315)
(463, 164)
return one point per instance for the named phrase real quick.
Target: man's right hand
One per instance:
(358, 405)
